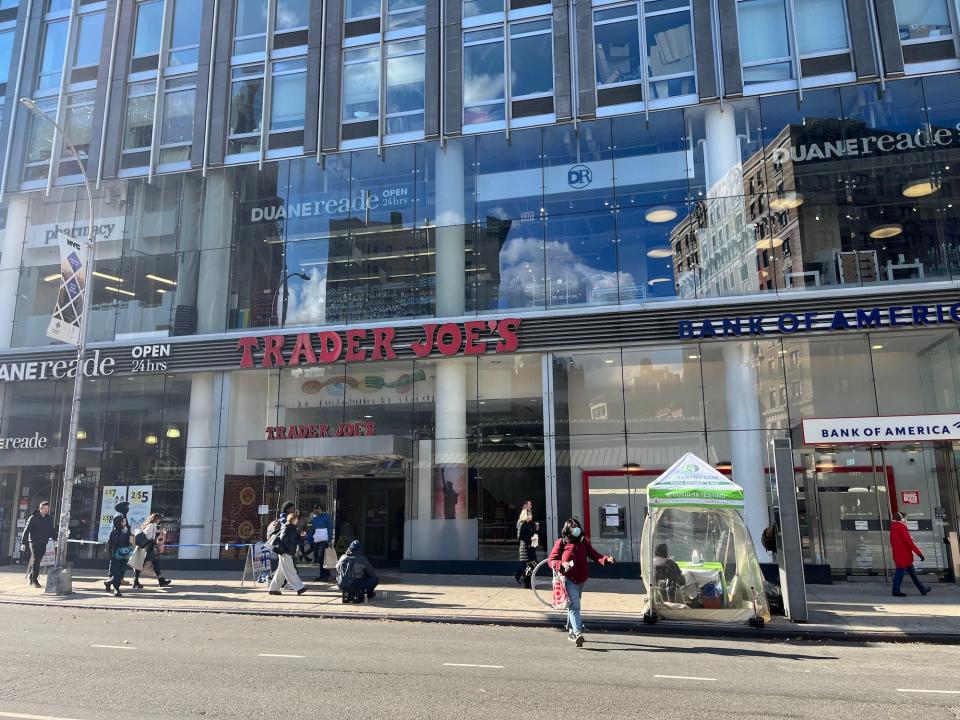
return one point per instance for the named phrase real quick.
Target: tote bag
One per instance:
(329, 559)
(561, 601)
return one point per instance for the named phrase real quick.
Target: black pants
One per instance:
(156, 570)
(118, 568)
(36, 555)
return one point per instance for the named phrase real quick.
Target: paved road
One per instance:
(91, 664)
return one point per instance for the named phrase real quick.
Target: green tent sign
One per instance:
(690, 482)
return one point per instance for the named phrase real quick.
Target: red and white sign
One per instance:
(883, 429)
(474, 337)
(321, 430)
(910, 497)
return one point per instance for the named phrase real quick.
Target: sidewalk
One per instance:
(854, 611)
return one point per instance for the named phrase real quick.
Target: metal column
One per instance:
(790, 551)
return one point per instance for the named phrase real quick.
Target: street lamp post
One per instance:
(286, 294)
(59, 579)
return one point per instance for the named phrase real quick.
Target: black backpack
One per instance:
(345, 573)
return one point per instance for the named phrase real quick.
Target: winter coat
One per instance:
(38, 531)
(525, 533)
(361, 566)
(902, 545)
(147, 553)
(564, 551)
(318, 522)
(119, 539)
(289, 540)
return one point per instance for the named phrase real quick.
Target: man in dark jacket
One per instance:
(36, 534)
(355, 574)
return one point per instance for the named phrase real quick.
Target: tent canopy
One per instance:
(692, 482)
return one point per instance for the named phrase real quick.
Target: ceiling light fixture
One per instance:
(119, 290)
(173, 432)
(658, 253)
(631, 466)
(876, 347)
(495, 438)
(881, 232)
(161, 291)
(657, 281)
(81, 434)
(52, 276)
(786, 201)
(920, 188)
(660, 214)
(105, 276)
(769, 243)
(164, 280)
(150, 439)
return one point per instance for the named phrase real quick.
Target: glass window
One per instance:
(405, 87)
(292, 15)
(149, 25)
(58, 5)
(617, 42)
(473, 8)
(663, 389)
(821, 26)
(246, 107)
(921, 20)
(357, 9)
(361, 84)
(184, 35)
(79, 121)
(669, 52)
(531, 56)
(288, 95)
(40, 145)
(483, 76)
(402, 14)
(176, 130)
(250, 27)
(581, 253)
(89, 40)
(7, 4)
(138, 130)
(764, 41)
(6, 52)
(54, 47)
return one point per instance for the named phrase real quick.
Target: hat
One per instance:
(122, 507)
(354, 547)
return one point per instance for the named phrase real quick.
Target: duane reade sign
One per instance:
(884, 429)
(32, 442)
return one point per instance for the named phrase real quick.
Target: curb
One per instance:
(661, 628)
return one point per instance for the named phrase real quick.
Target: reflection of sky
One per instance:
(308, 298)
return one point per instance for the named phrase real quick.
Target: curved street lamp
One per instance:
(286, 294)
(59, 580)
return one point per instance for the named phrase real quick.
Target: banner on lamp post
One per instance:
(65, 323)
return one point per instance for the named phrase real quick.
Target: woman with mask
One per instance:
(146, 541)
(118, 548)
(569, 558)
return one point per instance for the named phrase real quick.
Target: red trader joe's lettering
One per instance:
(475, 337)
(300, 432)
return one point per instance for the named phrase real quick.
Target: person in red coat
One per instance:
(903, 551)
(569, 558)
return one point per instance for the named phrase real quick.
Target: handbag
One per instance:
(140, 539)
(561, 600)
(329, 559)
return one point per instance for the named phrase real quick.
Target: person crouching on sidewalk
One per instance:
(903, 551)
(569, 558)
(286, 552)
(119, 550)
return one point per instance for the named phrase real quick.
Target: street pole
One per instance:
(59, 579)
(286, 294)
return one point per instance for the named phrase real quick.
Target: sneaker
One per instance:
(571, 637)
(900, 594)
(116, 593)
(370, 595)
(36, 584)
(163, 582)
(137, 585)
(301, 591)
(579, 640)
(926, 590)
(275, 592)
(106, 585)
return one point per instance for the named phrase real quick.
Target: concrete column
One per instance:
(216, 234)
(725, 186)
(201, 471)
(11, 255)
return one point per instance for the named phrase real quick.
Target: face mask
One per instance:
(575, 532)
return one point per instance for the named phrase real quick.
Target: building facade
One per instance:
(424, 261)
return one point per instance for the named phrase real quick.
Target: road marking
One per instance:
(281, 656)
(115, 647)
(685, 677)
(937, 692)
(495, 667)
(22, 716)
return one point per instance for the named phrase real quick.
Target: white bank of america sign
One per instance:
(883, 429)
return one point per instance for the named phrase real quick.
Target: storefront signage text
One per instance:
(362, 344)
(398, 197)
(789, 323)
(884, 429)
(93, 366)
(321, 430)
(34, 442)
(146, 358)
(925, 138)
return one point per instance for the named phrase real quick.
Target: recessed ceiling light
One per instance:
(660, 214)
(608, 361)
(105, 276)
(657, 281)
(769, 243)
(660, 252)
(876, 347)
(880, 232)
(786, 201)
(920, 188)
(693, 357)
(161, 279)
(121, 291)
(52, 276)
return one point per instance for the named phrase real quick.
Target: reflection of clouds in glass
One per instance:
(571, 279)
(308, 303)
(480, 87)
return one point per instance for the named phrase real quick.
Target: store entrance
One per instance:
(847, 495)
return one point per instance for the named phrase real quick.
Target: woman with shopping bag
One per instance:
(568, 560)
(149, 541)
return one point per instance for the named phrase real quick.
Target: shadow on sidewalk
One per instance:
(721, 651)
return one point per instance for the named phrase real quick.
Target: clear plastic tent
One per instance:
(699, 559)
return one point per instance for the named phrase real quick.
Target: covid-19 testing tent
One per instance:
(699, 559)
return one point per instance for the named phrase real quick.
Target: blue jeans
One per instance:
(574, 592)
(898, 578)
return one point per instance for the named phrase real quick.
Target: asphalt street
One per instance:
(91, 664)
